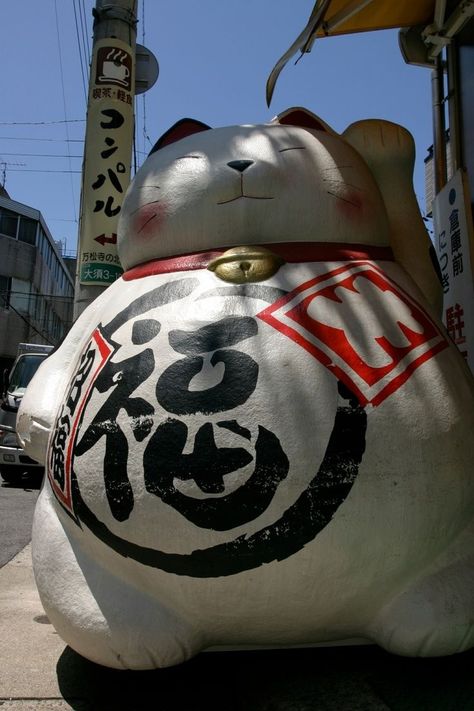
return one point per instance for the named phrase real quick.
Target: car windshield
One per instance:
(24, 370)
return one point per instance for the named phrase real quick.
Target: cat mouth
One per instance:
(247, 197)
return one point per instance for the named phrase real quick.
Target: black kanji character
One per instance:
(240, 375)
(119, 380)
(123, 378)
(454, 220)
(58, 446)
(458, 266)
(207, 464)
(455, 241)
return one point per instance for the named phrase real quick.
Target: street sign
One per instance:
(454, 247)
(146, 69)
(106, 172)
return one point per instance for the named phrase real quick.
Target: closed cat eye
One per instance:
(292, 148)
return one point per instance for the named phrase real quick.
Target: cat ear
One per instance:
(298, 116)
(182, 128)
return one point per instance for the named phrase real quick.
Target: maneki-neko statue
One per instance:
(260, 433)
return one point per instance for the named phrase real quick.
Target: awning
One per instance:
(337, 17)
(343, 16)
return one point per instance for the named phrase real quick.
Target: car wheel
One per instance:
(11, 474)
(35, 475)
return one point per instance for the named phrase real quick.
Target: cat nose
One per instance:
(240, 165)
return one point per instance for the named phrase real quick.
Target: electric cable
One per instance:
(64, 96)
(80, 49)
(85, 31)
(39, 123)
(36, 296)
(45, 170)
(28, 323)
(54, 140)
(42, 155)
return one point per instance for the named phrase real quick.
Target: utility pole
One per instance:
(108, 147)
(439, 124)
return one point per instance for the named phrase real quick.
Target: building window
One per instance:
(8, 223)
(20, 295)
(5, 288)
(27, 230)
(36, 304)
(42, 241)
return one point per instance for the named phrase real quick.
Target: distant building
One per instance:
(36, 285)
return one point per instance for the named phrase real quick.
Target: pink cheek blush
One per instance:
(351, 206)
(148, 220)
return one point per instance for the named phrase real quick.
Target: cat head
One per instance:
(291, 180)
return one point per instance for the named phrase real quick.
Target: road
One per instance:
(17, 504)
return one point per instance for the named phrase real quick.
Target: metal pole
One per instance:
(453, 104)
(108, 147)
(439, 125)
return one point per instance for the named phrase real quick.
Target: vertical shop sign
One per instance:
(454, 246)
(106, 172)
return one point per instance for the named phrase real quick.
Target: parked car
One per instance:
(14, 463)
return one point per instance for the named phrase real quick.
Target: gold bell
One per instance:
(241, 265)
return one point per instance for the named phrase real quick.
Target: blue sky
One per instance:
(214, 56)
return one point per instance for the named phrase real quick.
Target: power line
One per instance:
(43, 170)
(42, 155)
(145, 131)
(39, 123)
(28, 323)
(80, 48)
(84, 30)
(35, 296)
(54, 140)
(64, 96)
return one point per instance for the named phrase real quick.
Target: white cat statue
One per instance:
(261, 433)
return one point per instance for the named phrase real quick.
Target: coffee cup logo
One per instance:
(114, 67)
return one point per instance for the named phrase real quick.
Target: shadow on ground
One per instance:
(24, 481)
(336, 679)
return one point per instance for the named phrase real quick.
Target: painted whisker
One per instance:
(152, 202)
(338, 197)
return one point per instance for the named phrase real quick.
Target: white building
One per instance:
(36, 285)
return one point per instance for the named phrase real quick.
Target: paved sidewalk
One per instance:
(38, 673)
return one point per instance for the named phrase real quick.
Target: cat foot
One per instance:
(433, 618)
(100, 615)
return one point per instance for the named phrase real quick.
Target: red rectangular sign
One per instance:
(361, 325)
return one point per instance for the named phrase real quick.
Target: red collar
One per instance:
(289, 251)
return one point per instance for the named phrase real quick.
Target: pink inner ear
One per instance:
(182, 128)
(297, 117)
